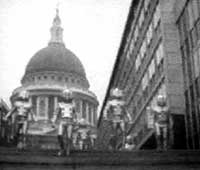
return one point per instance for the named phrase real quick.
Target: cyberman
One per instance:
(67, 114)
(161, 119)
(129, 144)
(22, 110)
(117, 113)
(83, 134)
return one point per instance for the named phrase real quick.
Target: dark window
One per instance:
(59, 78)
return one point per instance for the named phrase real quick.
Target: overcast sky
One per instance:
(92, 30)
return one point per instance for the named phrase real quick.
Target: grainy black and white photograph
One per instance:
(100, 84)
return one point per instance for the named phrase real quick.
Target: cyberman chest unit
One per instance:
(23, 107)
(67, 110)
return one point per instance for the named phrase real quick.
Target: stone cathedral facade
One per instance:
(50, 71)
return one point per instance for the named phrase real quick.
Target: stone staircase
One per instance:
(11, 159)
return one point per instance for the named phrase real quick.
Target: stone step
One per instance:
(48, 157)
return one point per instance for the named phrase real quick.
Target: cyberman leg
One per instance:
(122, 126)
(115, 135)
(165, 140)
(19, 136)
(24, 133)
(69, 139)
(158, 136)
(60, 139)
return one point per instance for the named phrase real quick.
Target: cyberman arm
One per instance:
(128, 115)
(75, 115)
(106, 112)
(33, 115)
(9, 114)
(55, 115)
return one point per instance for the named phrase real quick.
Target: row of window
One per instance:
(148, 37)
(55, 78)
(188, 18)
(135, 33)
(155, 61)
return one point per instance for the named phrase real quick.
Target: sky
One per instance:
(92, 31)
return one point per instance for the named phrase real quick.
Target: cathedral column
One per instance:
(95, 114)
(78, 108)
(55, 103)
(37, 106)
(81, 108)
(87, 112)
(92, 114)
(46, 108)
(30, 101)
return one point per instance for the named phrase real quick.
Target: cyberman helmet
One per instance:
(67, 94)
(24, 95)
(115, 92)
(116, 97)
(161, 101)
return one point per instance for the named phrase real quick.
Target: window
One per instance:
(143, 49)
(151, 68)
(137, 62)
(195, 9)
(156, 17)
(145, 81)
(159, 53)
(59, 78)
(141, 19)
(41, 107)
(146, 4)
(136, 33)
(132, 45)
(149, 33)
(128, 55)
(190, 15)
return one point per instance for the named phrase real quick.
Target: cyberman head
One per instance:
(116, 98)
(23, 96)
(161, 101)
(67, 95)
(116, 93)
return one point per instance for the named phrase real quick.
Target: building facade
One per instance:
(149, 63)
(187, 18)
(50, 71)
(5, 130)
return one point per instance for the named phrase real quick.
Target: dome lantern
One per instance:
(56, 30)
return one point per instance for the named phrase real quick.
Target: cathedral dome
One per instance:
(55, 57)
